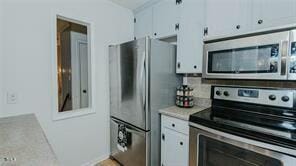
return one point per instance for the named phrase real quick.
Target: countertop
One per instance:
(181, 113)
(22, 138)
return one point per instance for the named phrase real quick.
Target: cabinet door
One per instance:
(272, 13)
(165, 17)
(227, 17)
(190, 36)
(144, 23)
(174, 148)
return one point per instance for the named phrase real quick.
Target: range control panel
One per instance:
(271, 97)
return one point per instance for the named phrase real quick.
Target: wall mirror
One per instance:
(73, 64)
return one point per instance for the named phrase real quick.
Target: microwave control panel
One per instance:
(293, 58)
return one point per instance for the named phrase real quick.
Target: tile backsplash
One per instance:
(201, 90)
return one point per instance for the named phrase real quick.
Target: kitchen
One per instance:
(202, 44)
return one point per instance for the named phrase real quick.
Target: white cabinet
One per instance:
(227, 17)
(273, 13)
(165, 18)
(144, 23)
(174, 142)
(190, 36)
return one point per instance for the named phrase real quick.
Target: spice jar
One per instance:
(186, 102)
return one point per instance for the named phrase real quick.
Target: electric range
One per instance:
(245, 126)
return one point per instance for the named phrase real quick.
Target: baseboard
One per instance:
(96, 160)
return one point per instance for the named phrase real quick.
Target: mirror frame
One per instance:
(77, 112)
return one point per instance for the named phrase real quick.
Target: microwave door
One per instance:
(257, 57)
(292, 56)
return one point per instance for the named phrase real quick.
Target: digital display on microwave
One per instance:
(258, 59)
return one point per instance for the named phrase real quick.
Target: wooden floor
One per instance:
(108, 162)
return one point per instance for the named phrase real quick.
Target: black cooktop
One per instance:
(267, 124)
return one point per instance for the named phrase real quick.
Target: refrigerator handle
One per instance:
(143, 82)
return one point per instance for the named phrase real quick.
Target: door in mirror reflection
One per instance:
(73, 65)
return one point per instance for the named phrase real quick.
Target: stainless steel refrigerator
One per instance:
(142, 80)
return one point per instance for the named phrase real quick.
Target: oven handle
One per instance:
(284, 54)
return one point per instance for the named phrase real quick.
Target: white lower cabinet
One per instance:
(174, 142)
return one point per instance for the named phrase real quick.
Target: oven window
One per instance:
(216, 153)
(259, 59)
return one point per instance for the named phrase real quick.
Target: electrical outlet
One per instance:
(11, 98)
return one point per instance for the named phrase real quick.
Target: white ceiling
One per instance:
(130, 4)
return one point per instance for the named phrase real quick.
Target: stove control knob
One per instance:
(272, 97)
(285, 98)
(226, 93)
(218, 93)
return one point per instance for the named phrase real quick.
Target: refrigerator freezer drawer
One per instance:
(137, 152)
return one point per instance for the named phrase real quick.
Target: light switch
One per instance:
(11, 98)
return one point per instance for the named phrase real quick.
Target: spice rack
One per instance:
(184, 97)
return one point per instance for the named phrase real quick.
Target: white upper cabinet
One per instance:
(165, 18)
(273, 13)
(144, 23)
(227, 17)
(190, 36)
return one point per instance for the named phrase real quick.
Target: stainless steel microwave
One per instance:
(269, 56)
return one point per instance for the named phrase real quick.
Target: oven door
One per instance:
(216, 148)
(256, 57)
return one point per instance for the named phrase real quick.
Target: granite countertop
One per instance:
(22, 138)
(181, 113)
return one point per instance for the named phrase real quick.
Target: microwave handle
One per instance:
(284, 55)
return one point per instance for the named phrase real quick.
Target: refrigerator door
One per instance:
(128, 74)
(137, 153)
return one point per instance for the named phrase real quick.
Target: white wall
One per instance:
(27, 51)
(1, 61)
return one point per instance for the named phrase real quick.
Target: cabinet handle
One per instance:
(178, 2)
(260, 21)
(194, 66)
(155, 34)
(162, 136)
(205, 31)
(173, 125)
(177, 26)
(181, 143)
(238, 27)
(178, 65)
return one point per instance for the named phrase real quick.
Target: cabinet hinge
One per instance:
(177, 26)
(178, 2)
(162, 136)
(135, 20)
(205, 31)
